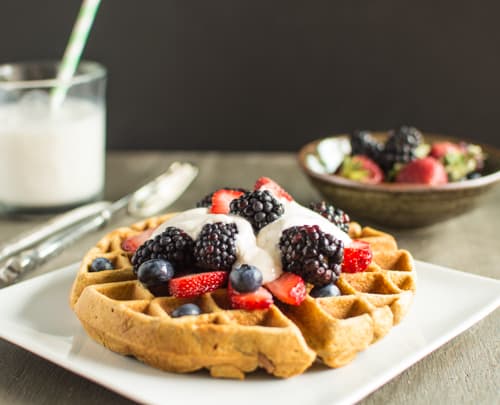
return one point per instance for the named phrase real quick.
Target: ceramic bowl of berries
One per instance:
(401, 178)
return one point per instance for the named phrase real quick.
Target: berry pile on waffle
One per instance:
(249, 279)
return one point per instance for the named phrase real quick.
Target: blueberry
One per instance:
(473, 175)
(329, 290)
(186, 309)
(245, 278)
(100, 264)
(155, 272)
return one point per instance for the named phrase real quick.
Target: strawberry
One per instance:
(221, 200)
(132, 243)
(441, 149)
(361, 168)
(357, 256)
(265, 183)
(288, 288)
(259, 299)
(428, 171)
(193, 285)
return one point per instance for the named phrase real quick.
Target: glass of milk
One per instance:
(51, 159)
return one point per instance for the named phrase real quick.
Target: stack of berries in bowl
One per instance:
(188, 263)
(404, 157)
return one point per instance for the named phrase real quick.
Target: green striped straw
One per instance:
(74, 50)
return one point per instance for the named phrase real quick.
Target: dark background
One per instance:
(249, 74)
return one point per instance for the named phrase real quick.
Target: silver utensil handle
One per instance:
(51, 227)
(32, 258)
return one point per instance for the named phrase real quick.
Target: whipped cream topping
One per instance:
(261, 251)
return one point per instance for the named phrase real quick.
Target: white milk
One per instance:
(51, 159)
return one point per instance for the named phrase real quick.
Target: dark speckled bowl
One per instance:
(400, 205)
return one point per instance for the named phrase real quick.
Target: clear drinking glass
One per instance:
(51, 159)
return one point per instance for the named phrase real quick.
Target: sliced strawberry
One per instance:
(441, 149)
(265, 183)
(429, 171)
(132, 244)
(193, 285)
(259, 299)
(221, 200)
(361, 168)
(357, 256)
(288, 288)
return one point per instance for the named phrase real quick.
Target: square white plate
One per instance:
(35, 315)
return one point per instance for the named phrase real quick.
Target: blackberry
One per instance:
(334, 215)
(259, 207)
(314, 255)
(400, 147)
(363, 143)
(207, 200)
(215, 248)
(173, 245)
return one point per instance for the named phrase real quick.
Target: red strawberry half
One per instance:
(193, 285)
(221, 200)
(288, 288)
(265, 183)
(361, 168)
(132, 244)
(259, 299)
(427, 171)
(357, 256)
(441, 149)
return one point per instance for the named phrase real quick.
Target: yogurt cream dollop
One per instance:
(261, 251)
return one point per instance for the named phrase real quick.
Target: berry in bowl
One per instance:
(401, 178)
(404, 157)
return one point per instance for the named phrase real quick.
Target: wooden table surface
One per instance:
(463, 371)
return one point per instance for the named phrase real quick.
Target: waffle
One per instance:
(118, 312)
